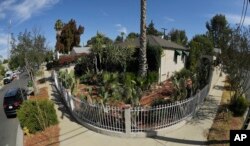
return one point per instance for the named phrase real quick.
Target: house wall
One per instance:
(169, 65)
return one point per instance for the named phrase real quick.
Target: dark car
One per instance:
(12, 100)
(6, 81)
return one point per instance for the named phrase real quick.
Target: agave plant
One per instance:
(68, 79)
(180, 91)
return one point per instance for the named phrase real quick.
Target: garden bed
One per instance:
(162, 91)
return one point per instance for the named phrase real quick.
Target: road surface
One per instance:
(8, 127)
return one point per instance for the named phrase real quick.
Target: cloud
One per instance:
(24, 9)
(121, 28)
(235, 19)
(168, 19)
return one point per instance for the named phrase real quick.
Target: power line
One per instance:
(243, 13)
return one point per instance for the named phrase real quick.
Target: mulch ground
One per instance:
(163, 91)
(43, 94)
(48, 137)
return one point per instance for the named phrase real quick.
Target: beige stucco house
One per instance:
(174, 56)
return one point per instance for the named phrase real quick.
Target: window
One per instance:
(176, 53)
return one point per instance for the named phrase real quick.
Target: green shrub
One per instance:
(84, 64)
(154, 54)
(37, 115)
(128, 78)
(238, 105)
(184, 73)
(152, 77)
(30, 83)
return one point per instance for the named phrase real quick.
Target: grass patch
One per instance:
(223, 122)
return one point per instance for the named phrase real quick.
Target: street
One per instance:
(8, 127)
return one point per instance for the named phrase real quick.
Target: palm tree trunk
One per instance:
(143, 41)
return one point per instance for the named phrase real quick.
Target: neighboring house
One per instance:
(173, 59)
(77, 51)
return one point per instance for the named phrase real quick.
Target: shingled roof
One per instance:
(154, 41)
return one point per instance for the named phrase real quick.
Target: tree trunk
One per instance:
(143, 41)
(31, 75)
(95, 63)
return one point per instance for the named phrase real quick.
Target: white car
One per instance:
(9, 76)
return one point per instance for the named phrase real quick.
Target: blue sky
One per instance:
(112, 16)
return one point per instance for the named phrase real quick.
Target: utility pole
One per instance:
(164, 29)
(8, 44)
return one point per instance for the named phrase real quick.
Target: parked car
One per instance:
(9, 76)
(13, 98)
(6, 81)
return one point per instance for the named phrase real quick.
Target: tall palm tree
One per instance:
(143, 41)
(58, 26)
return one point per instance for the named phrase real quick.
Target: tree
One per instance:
(29, 52)
(132, 35)
(219, 31)
(105, 40)
(178, 36)
(143, 41)
(49, 56)
(151, 30)
(200, 45)
(236, 61)
(98, 43)
(116, 56)
(5, 61)
(118, 39)
(58, 26)
(69, 37)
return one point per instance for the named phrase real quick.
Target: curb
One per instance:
(19, 136)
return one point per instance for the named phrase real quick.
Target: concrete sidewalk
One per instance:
(193, 133)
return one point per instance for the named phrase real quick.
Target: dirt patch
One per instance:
(43, 94)
(48, 137)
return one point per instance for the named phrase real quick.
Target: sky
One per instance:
(111, 17)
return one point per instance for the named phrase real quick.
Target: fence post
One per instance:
(127, 120)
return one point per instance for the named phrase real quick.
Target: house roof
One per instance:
(79, 50)
(154, 41)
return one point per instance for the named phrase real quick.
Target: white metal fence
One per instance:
(131, 120)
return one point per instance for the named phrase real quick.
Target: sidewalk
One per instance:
(193, 133)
